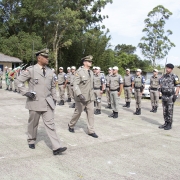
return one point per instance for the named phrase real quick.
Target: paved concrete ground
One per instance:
(130, 147)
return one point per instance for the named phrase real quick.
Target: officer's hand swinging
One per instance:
(82, 98)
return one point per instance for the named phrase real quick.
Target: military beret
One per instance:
(87, 58)
(43, 52)
(171, 66)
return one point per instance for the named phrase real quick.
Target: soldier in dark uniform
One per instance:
(168, 82)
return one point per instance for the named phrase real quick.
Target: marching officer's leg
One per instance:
(90, 116)
(79, 107)
(48, 119)
(33, 126)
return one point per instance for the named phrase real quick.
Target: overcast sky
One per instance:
(126, 21)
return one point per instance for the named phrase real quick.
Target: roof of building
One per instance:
(5, 58)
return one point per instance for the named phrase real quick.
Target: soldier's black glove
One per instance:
(82, 98)
(54, 102)
(174, 98)
(30, 95)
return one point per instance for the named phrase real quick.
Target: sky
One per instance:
(126, 21)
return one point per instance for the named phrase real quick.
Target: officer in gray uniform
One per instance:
(84, 96)
(168, 82)
(128, 78)
(99, 87)
(68, 84)
(41, 99)
(72, 77)
(107, 88)
(62, 81)
(138, 86)
(1, 77)
(154, 89)
(116, 87)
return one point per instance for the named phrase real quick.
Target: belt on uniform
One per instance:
(127, 86)
(68, 82)
(137, 87)
(71, 85)
(113, 90)
(96, 88)
(154, 89)
(61, 84)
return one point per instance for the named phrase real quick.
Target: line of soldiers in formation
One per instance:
(84, 88)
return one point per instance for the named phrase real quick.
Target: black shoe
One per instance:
(69, 100)
(163, 126)
(31, 146)
(61, 103)
(125, 104)
(108, 106)
(111, 115)
(94, 135)
(15, 91)
(168, 127)
(155, 109)
(10, 89)
(115, 115)
(98, 112)
(136, 111)
(71, 129)
(60, 150)
(94, 104)
(152, 110)
(1, 87)
(72, 106)
(6, 89)
(128, 104)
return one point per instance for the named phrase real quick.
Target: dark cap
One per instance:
(43, 52)
(87, 58)
(171, 66)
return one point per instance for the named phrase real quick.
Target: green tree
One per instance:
(155, 45)
(123, 48)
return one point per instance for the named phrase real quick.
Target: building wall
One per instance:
(4, 64)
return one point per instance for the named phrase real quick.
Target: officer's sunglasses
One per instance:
(89, 61)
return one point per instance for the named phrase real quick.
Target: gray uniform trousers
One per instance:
(69, 90)
(114, 100)
(11, 84)
(72, 94)
(98, 97)
(0, 81)
(79, 108)
(48, 120)
(108, 96)
(137, 95)
(61, 92)
(127, 94)
(154, 95)
(168, 107)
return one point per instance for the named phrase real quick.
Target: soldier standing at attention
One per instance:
(84, 96)
(154, 90)
(41, 100)
(1, 76)
(128, 78)
(94, 70)
(107, 88)
(99, 87)
(168, 82)
(68, 84)
(138, 86)
(62, 80)
(72, 77)
(116, 87)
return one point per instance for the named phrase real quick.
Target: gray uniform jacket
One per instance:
(44, 86)
(83, 84)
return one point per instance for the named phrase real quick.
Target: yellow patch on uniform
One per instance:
(76, 74)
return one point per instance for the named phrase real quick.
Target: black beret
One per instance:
(171, 66)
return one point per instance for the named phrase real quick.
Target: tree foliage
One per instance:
(156, 44)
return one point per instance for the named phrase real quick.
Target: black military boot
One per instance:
(72, 106)
(136, 111)
(61, 103)
(0, 87)
(163, 126)
(10, 89)
(152, 110)
(139, 111)
(69, 100)
(15, 91)
(126, 104)
(155, 109)
(115, 115)
(168, 127)
(98, 111)
(108, 106)
(111, 115)
(6, 89)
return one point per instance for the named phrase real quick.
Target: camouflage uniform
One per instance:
(168, 82)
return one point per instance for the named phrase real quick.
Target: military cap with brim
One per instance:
(87, 58)
(43, 52)
(171, 66)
